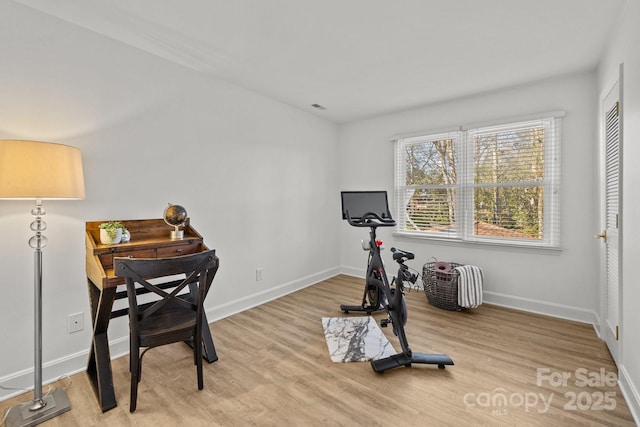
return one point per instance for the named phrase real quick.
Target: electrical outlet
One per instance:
(75, 322)
(258, 274)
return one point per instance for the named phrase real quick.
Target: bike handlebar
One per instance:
(371, 219)
(400, 257)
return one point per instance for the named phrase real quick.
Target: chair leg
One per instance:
(135, 378)
(200, 376)
(130, 353)
(197, 350)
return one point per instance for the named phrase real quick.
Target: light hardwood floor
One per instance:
(274, 369)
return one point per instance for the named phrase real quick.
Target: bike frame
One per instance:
(379, 294)
(392, 296)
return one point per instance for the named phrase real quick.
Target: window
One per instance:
(496, 184)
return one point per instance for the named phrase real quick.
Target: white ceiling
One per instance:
(358, 58)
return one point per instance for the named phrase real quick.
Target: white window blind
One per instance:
(497, 184)
(427, 184)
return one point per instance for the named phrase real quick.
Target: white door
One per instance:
(612, 135)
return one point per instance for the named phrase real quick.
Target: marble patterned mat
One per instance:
(355, 339)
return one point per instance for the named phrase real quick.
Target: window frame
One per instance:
(465, 185)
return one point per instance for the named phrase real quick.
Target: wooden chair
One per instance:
(176, 316)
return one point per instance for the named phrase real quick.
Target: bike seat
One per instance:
(399, 254)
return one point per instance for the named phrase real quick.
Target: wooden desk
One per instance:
(150, 238)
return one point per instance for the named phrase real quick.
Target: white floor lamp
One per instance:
(39, 170)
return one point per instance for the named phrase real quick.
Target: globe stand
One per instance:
(177, 234)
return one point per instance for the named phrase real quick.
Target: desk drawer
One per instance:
(177, 250)
(107, 259)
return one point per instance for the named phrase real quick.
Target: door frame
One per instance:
(611, 338)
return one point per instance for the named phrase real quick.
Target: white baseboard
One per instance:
(597, 324)
(77, 362)
(541, 307)
(630, 393)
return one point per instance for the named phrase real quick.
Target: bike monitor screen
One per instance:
(358, 203)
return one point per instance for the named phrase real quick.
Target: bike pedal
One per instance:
(384, 323)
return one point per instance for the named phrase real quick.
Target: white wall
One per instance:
(560, 283)
(257, 178)
(623, 49)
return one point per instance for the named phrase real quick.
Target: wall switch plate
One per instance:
(258, 274)
(75, 322)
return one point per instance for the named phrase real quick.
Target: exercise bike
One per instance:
(370, 209)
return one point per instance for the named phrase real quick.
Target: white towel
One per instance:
(469, 286)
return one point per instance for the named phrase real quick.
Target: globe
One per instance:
(175, 215)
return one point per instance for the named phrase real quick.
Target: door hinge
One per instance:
(617, 221)
(617, 334)
(618, 108)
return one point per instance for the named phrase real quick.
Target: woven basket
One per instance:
(440, 287)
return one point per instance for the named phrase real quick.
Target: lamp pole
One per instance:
(38, 242)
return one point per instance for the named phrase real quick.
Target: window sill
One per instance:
(498, 244)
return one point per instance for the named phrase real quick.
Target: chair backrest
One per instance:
(157, 275)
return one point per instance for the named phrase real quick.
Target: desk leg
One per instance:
(99, 366)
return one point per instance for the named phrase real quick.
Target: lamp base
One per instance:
(20, 415)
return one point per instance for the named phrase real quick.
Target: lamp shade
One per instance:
(40, 170)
